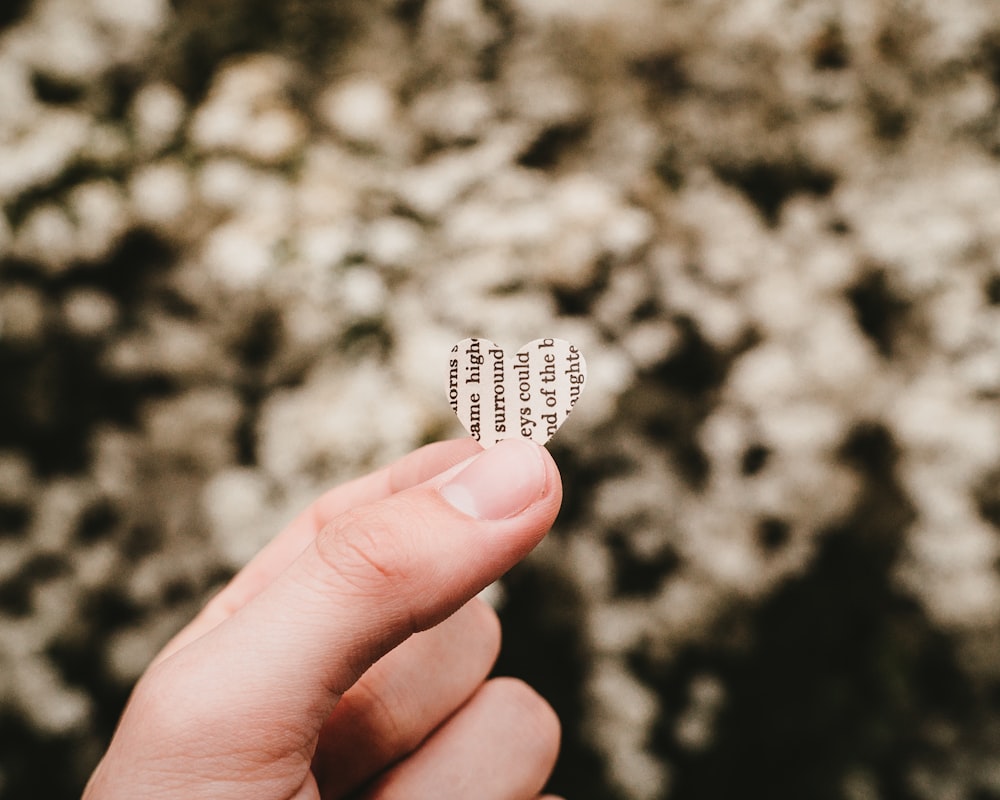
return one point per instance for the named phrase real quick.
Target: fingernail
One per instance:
(501, 482)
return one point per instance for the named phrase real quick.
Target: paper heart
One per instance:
(529, 395)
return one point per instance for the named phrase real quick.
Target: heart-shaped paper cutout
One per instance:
(528, 396)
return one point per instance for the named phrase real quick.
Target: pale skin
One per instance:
(349, 658)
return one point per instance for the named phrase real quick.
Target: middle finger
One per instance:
(403, 697)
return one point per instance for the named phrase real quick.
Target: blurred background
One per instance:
(238, 238)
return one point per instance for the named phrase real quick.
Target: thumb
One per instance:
(372, 577)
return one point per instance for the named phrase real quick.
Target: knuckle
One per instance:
(363, 550)
(155, 702)
(384, 717)
(486, 625)
(540, 729)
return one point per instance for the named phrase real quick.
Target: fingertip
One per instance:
(486, 619)
(502, 481)
(539, 725)
(553, 477)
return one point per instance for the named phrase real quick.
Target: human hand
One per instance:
(271, 693)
